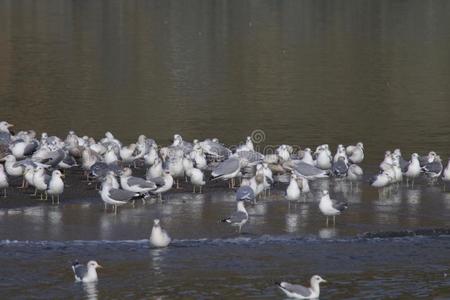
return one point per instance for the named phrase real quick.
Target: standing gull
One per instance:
(116, 197)
(228, 169)
(299, 291)
(240, 216)
(3, 180)
(86, 273)
(331, 207)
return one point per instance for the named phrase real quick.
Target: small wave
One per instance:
(241, 240)
(427, 232)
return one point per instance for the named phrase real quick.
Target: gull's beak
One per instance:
(324, 281)
(63, 176)
(9, 125)
(99, 266)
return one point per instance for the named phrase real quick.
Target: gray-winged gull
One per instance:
(331, 208)
(240, 216)
(228, 169)
(305, 170)
(163, 183)
(135, 184)
(299, 291)
(116, 197)
(86, 273)
(340, 167)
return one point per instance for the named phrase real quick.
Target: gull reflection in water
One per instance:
(157, 258)
(413, 198)
(90, 290)
(327, 233)
(292, 221)
(446, 200)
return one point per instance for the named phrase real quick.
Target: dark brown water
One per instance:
(304, 72)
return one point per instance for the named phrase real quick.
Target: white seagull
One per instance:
(86, 273)
(159, 237)
(299, 291)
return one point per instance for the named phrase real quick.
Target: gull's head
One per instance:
(126, 171)
(360, 145)
(259, 166)
(249, 139)
(307, 150)
(397, 152)
(9, 158)
(156, 222)
(387, 153)
(293, 176)
(324, 192)
(93, 264)
(57, 173)
(215, 140)
(317, 279)
(4, 126)
(414, 155)
(109, 135)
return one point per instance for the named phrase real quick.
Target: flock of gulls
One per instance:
(41, 162)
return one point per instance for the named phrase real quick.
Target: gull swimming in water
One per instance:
(86, 273)
(240, 216)
(159, 237)
(331, 208)
(299, 291)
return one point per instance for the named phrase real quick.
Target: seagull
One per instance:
(433, 168)
(330, 207)
(159, 237)
(413, 169)
(355, 153)
(116, 197)
(445, 174)
(340, 167)
(197, 179)
(354, 173)
(300, 292)
(305, 170)
(340, 152)
(381, 180)
(228, 169)
(156, 170)
(293, 190)
(55, 185)
(240, 216)
(3, 180)
(126, 153)
(86, 273)
(163, 183)
(41, 180)
(386, 164)
(307, 157)
(323, 159)
(135, 184)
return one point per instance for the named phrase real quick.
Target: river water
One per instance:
(302, 72)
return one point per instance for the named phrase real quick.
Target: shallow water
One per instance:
(303, 72)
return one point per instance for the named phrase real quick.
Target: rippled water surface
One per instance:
(304, 72)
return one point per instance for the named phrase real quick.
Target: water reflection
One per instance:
(90, 290)
(327, 233)
(292, 222)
